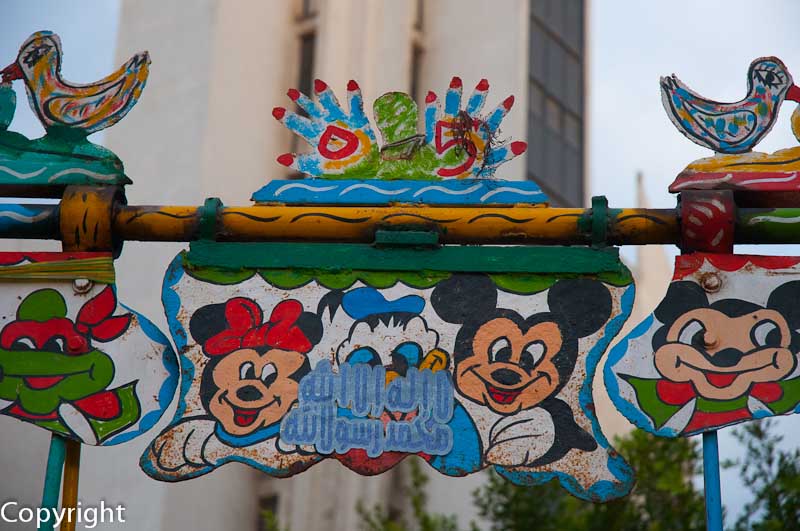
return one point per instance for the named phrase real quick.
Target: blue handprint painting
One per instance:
(460, 149)
(345, 143)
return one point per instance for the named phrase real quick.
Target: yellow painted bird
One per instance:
(60, 104)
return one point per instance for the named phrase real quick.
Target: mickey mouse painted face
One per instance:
(713, 354)
(254, 390)
(511, 369)
(724, 348)
(252, 378)
(509, 363)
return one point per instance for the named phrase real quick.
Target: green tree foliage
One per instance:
(663, 498)
(773, 476)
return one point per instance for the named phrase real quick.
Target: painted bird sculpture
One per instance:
(81, 109)
(731, 127)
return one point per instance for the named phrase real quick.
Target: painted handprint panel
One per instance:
(460, 150)
(344, 144)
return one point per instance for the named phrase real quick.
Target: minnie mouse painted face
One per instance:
(255, 390)
(252, 378)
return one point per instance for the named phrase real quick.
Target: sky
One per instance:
(709, 45)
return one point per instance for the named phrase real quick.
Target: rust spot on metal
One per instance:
(710, 282)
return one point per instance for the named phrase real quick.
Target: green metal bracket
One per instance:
(209, 218)
(406, 237)
(600, 221)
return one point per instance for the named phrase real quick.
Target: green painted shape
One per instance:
(337, 257)
(84, 375)
(720, 406)
(777, 225)
(367, 168)
(294, 278)
(42, 305)
(396, 116)
(649, 402)
(61, 157)
(8, 103)
(405, 154)
(790, 398)
(130, 411)
(216, 275)
(526, 284)
(421, 164)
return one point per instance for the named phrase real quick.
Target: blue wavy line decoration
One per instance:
(376, 192)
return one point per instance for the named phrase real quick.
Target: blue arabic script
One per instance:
(341, 411)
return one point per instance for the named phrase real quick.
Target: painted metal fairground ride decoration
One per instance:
(400, 300)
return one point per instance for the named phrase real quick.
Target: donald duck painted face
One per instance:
(389, 333)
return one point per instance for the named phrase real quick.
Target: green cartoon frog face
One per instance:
(47, 359)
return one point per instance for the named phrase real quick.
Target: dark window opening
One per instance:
(419, 15)
(267, 513)
(305, 81)
(556, 99)
(306, 74)
(308, 8)
(416, 65)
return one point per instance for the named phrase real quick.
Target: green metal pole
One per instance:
(52, 479)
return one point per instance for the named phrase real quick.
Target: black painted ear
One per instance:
(311, 325)
(330, 302)
(464, 297)
(681, 297)
(583, 304)
(207, 321)
(785, 299)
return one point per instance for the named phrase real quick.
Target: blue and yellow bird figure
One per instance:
(731, 127)
(59, 104)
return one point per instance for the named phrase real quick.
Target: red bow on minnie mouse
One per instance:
(245, 328)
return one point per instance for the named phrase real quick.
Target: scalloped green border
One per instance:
(524, 284)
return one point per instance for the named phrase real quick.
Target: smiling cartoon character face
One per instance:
(724, 348)
(513, 365)
(391, 333)
(254, 389)
(251, 379)
(46, 359)
(510, 363)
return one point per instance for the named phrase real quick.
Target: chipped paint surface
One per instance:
(721, 348)
(73, 359)
(269, 353)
